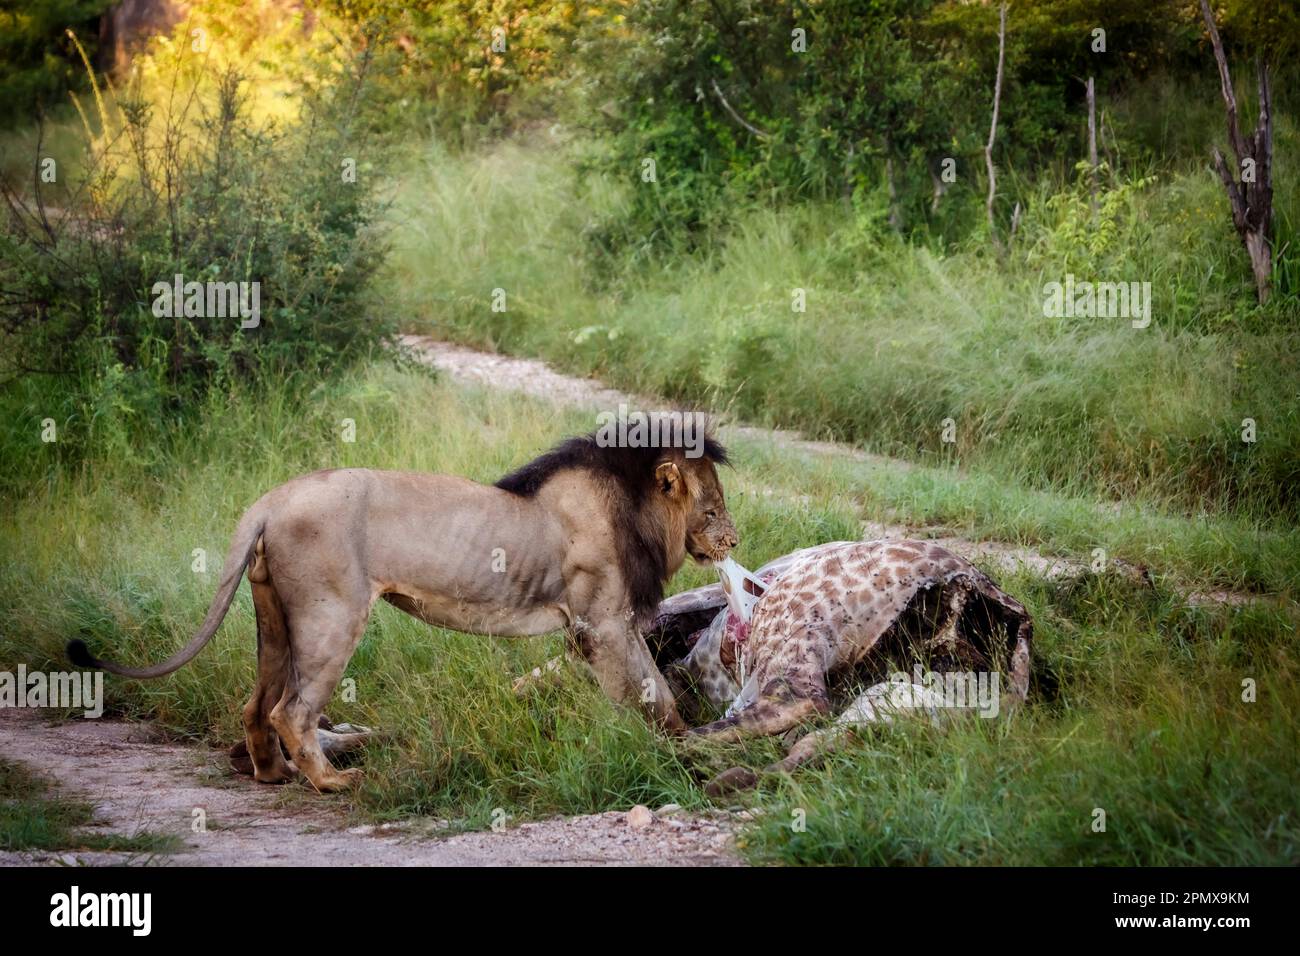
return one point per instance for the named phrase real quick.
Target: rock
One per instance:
(668, 809)
(640, 817)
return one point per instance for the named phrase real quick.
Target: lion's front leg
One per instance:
(625, 671)
(602, 631)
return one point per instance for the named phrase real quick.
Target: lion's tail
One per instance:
(250, 529)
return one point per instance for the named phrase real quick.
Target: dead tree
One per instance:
(1251, 198)
(1092, 146)
(993, 128)
(940, 187)
(895, 218)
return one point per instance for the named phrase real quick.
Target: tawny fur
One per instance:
(551, 553)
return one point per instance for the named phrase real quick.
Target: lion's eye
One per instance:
(710, 515)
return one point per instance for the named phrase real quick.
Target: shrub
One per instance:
(190, 183)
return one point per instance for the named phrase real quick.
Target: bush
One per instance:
(188, 184)
(473, 68)
(838, 99)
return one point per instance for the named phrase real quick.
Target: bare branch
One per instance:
(1263, 138)
(1225, 83)
(1092, 144)
(736, 116)
(1251, 197)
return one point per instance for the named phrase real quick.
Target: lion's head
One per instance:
(693, 491)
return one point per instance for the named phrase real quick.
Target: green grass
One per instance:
(35, 817)
(895, 338)
(1188, 554)
(1137, 711)
(1136, 706)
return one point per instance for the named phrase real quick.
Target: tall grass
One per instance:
(189, 168)
(895, 338)
(1136, 706)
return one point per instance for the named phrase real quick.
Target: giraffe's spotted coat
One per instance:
(825, 609)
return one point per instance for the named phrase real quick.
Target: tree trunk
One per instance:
(940, 187)
(1251, 197)
(1092, 145)
(993, 128)
(895, 219)
(1261, 263)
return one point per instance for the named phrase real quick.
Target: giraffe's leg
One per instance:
(814, 744)
(538, 677)
(810, 746)
(878, 704)
(768, 715)
(1019, 670)
(335, 741)
(334, 744)
(946, 636)
(798, 694)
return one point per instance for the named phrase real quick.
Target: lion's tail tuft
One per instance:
(80, 655)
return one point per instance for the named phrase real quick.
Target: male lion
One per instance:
(584, 538)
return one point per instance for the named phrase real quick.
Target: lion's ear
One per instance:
(669, 477)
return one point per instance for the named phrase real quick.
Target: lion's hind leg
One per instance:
(269, 765)
(321, 640)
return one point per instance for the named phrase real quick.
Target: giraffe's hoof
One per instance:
(731, 781)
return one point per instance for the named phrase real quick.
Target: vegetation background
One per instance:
(220, 151)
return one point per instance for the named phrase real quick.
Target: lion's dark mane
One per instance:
(630, 474)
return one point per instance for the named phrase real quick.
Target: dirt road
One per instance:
(137, 784)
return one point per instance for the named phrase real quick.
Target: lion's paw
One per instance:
(339, 780)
